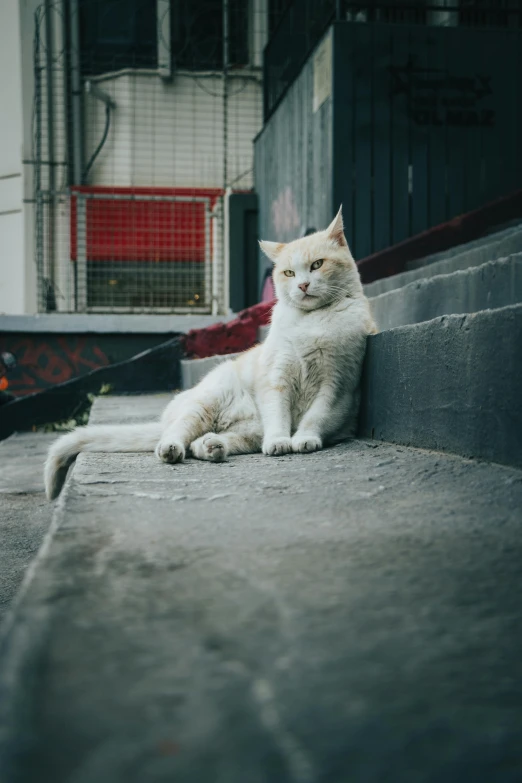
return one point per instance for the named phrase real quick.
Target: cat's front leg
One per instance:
(323, 418)
(277, 421)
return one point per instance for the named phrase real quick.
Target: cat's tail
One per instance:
(100, 437)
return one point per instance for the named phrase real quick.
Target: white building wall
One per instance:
(17, 273)
(163, 133)
(177, 134)
(172, 134)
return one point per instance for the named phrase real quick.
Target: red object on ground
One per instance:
(133, 228)
(232, 337)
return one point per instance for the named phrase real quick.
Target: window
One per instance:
(197, 35)
(117, 34)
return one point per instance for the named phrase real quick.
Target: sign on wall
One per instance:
(441, 96)
(323, 72)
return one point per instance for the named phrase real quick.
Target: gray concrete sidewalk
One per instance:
(25, 515)
(352, 615)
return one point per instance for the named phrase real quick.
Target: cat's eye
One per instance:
(289, 273)
(317, 264)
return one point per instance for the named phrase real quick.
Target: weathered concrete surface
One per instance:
(490, 248)
(25, 515)
(453, 383)
(352, 615)
(491, 285)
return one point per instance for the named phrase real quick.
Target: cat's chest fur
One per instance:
(308, 348)
(315, 336)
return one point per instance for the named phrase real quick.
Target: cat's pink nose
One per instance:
(304, 287)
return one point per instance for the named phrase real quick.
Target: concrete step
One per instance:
(193, 370)
(453, 383)
(262, 333)
(490, 248)
(504, 236)
(270, 620)
(491, 285)
(25, 514)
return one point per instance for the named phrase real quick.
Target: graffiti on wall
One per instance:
(438, 97)
(285, 217)
(286, 223)
(47, 360)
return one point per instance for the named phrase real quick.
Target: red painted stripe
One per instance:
(464, 228)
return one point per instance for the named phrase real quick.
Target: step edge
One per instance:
(411, 275)
(514, 259)
(451, 316)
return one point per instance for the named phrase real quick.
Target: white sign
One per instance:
(323, 72)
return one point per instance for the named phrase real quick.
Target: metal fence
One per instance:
(143, 119)
(304, 22)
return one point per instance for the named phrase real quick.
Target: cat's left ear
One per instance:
(271, 249)
(335, 230)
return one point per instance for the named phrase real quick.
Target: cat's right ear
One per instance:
(335, 230)
(271, 250)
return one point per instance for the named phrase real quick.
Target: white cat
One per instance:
(296, 392)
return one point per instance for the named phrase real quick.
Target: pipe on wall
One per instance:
(76, 94)
(76, 137)
(50, 303)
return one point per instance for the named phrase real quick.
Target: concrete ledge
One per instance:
(144, 323)
(454, 383)
(25, 515)
(491, 248)
(492, 285)
(193, 370)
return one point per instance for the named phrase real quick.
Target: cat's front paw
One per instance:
(304, 444)
(210, 447)
(169, 451)
(276, 447)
